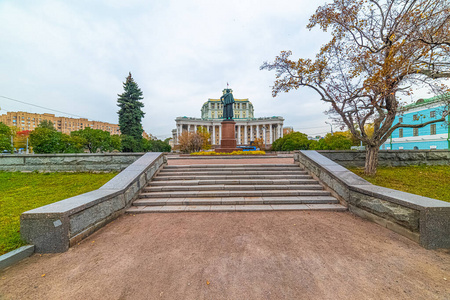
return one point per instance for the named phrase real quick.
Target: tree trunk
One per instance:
(371, 160)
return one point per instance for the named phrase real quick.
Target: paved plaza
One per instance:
(257, 255)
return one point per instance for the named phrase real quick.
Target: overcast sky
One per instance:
(73, 56)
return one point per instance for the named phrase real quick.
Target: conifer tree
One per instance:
(130, 115)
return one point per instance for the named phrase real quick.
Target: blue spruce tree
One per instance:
(130, 116)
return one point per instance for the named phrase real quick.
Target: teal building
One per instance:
(432, 136)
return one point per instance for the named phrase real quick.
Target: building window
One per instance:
(400, 133)
(400, 120)
(433, 129)
(415, 117)
(433, 114)
(415, 131)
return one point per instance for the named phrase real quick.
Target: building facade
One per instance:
(29, 121)
(248, 128)
(432, 136)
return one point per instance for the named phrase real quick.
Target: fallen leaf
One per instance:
(43, 275)
(207, 282)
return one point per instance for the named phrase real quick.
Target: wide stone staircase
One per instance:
(257, 187)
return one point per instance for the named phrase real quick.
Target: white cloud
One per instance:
(74, 57)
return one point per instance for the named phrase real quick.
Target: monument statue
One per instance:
(227, 100)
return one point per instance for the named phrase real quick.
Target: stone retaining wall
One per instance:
(79, 162)
(55, 227)
(390, 158)
(424, 220)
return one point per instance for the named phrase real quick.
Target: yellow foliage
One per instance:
(212, 153)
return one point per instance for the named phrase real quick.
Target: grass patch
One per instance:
(428, 181)
(20, 192)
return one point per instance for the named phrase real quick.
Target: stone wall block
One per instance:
(131, 192)
(124, 159)
(142, 181)
(435, 228)
(388, 210)
(36, 160)
(94, 214)
(439, 156)
(48, 232)
(7, 160)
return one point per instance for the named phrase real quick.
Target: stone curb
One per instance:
(12, 257)
(56, 226)
(419, 218)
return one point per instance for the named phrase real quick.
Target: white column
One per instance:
(213, 140)
(245, 135)
(281, 129)
(251, 133)
(220, 132)
(270, 134)
(264, 135)
(239, 134)
(257, 131)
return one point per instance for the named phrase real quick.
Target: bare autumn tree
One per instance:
(206, 137)
(190, 142)
(378, 50)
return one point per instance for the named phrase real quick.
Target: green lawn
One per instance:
(428, 181)
(20, 192)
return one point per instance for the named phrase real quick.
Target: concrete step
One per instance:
(237, 200)
(222, 177)
(219, 169)
(233, 182)
(235, 187)
(231, 193)
(231, 166)
(228, 172)
(234, 208)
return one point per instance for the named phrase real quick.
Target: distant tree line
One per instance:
(300, 141)
(45, 139)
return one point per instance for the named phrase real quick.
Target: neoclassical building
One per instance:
(248, 128)
(432, 136)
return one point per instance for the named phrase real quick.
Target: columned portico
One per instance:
(248, 128)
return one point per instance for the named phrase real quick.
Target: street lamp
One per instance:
(330, 126)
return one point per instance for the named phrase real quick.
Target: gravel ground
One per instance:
(259, 255)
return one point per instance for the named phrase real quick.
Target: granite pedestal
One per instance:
(228, 141)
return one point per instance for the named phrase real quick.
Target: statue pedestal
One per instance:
(228, 141)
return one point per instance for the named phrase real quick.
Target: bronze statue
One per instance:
(227, 100)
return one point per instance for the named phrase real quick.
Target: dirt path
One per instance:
(276, 255)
